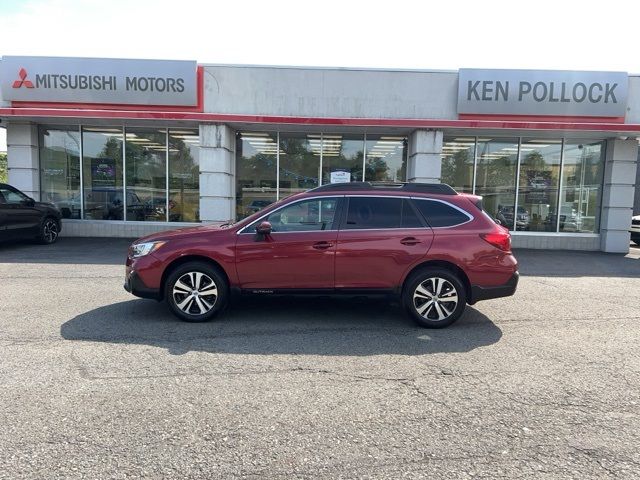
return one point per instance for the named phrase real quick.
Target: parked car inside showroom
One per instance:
(22, 217)
(435, 249)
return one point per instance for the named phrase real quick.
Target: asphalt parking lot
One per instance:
(95, 383)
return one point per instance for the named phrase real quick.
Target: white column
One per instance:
(424, 163)
(23, 158)
(617, 194)
(217, 173)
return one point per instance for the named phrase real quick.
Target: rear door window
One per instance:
(439, 214)
(373, 213)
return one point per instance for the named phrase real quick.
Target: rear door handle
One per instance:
(322, 245)
(410, 241)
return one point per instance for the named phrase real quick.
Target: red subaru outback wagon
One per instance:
(435, 248)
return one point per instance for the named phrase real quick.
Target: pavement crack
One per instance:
(410, 383)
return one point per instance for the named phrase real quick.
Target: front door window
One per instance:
(304, 216)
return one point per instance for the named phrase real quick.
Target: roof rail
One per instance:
(438, 188)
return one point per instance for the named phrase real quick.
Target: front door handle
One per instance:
(322, 245)
(410, 241)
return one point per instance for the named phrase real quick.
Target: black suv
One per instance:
(22, 217)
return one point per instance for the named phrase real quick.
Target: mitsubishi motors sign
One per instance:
(99, 80)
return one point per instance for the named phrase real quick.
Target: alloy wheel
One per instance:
(195, 293)
(435, 299)
(50, 231)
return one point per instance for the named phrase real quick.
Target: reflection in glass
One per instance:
(581, 191)
(299, 166)
(184, 176)
(342, 157)
(146, 157)
(256, 172)
(538, 187)
(457, 162)
(496, 180)
(386, 159)
(60, 169)
(102, 172)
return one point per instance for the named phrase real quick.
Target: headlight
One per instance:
(142, 249)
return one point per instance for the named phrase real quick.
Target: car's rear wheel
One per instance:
(434, 297)
(196, 292)
(49, 231)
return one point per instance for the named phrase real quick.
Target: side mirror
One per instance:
(29, 202)
(264, 228)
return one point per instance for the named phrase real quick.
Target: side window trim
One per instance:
(334, 225)
(455, 207)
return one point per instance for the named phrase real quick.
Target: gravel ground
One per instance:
(95, 383)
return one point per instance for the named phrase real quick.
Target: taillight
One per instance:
(499, 238)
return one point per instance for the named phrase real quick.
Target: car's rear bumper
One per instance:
(485, 293)
(134, 285)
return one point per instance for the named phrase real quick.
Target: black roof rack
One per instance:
(438, 188)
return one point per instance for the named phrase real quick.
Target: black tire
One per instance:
(420, 304)
(49, 231)
(196, 276)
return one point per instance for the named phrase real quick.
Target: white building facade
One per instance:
(128, 147)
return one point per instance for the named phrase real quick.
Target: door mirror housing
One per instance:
(29, 202)
(264, 228)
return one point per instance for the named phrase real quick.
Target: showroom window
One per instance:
(299, 166)
(386, 159)
(103, 173)
(60, 169)
(146, 168)
(538, 185)
(581, 192)
(458, 157)
(271, 166)
(84, 171)
(342, 157)
(184, 176)
(256, 172)
(496, 164)
(558, 182)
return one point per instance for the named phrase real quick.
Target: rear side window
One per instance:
(438, 214)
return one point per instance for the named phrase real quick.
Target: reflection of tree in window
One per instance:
(111, 148)
(184, 174)
(298, 165)
(457, 170)
(376, 169)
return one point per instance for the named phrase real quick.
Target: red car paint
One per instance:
(377, 260)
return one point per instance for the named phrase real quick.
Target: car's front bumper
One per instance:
(134, 285)
(485, 293)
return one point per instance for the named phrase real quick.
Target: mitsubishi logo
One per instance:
(22, 80)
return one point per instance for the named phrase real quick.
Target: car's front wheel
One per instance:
(49, 231)
(434, 297)
(196, 292)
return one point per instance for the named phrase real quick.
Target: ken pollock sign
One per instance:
(542, 92)
(98, 80)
